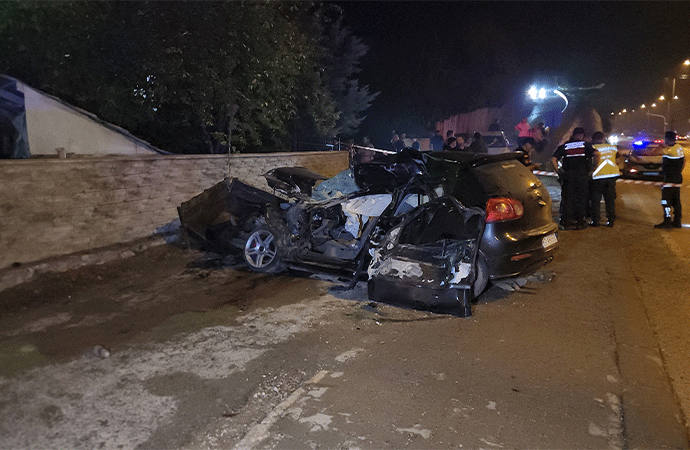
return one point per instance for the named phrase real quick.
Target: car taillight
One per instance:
(500, 209)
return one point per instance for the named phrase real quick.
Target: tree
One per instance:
(330, 102)
(184, 75)
(340, 56)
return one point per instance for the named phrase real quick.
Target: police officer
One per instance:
(604, 178)
(576, 161)
(672, 167)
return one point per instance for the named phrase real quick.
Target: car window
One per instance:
(438, 221)
(467, 189)
(411, 201)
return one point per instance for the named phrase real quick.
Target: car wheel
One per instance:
(261, 251)
(482, 279)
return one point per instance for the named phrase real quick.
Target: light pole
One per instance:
(659, 115)
(684, 76)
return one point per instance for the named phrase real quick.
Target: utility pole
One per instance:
(659, 115)
(668, 105)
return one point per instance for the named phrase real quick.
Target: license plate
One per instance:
(650, 173)
(549, 241)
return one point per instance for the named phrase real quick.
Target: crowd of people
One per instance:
(538, 132)
(473, 143)
(459, 142)
(587, 169)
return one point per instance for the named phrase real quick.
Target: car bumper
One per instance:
(508, 258)
(442, 300)
(638, 172)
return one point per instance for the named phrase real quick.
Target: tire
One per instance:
(261, 251)
(482, 280)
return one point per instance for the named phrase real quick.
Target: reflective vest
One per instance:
(672, 163)
(607, 167)
(674, 152)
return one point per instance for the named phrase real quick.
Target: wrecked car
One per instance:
(415, 247)
(520, 235)
(502, 211)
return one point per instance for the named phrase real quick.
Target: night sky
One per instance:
(632, 47)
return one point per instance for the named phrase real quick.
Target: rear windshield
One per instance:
(438, 221)
(647, 151)
(504, 178)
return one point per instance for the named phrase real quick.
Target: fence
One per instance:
(51, 206)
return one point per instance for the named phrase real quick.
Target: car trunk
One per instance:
(511, 179)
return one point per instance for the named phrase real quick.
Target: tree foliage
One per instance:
(188, 75)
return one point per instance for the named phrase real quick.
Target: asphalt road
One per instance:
(591, 353)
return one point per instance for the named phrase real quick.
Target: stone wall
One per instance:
(51, 206)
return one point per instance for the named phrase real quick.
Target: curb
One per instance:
(26, 272)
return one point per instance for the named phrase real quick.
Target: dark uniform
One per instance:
(576, 159)
(672, 168)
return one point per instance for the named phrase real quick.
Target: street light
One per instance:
(543, 93)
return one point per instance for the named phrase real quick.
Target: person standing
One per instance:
(604, 178)
(495, 125)
(397, 143)
(576, 160)
(536, 132)
(526, 151)
(366, 155)
(461, 143)
(524, 131)
(437, 142)
(672, 168)
(478, 145)
(451, 145)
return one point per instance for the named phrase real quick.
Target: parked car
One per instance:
(520, 234)
(496, 142)
(641, 162)
(410, 243)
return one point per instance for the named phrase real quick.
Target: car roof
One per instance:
(471, 159)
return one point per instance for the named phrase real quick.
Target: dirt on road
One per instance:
(110, 304)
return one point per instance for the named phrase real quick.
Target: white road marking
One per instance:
(341, 358)
(259, 432)
(318, 421)
(493, 444)
(417, 429)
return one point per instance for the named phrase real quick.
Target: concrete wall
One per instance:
(52, 124)
(51, 206)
